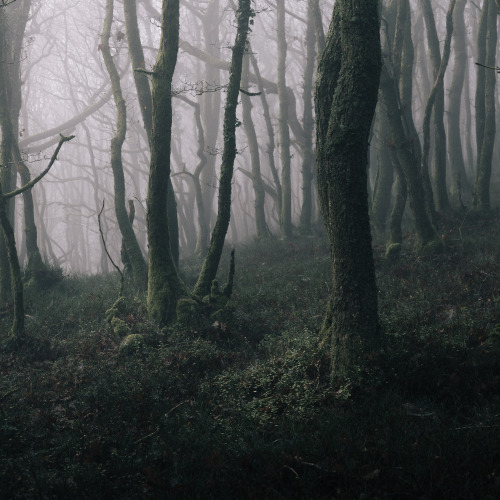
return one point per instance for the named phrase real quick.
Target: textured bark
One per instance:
(284, 132)
(164, 284)
(436, 102)
(346, 95)
(134, 253)
(253, 147)
(460, 186)
(211, 262)
(136, 54)
(439, 171)
(482, 198)
(308, 124)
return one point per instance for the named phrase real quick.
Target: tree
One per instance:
(485, 104)
(212, 260)
(284, 132)
(346, 96)
(164, 284)
(133, 250)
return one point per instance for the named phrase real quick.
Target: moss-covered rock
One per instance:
(131, 344)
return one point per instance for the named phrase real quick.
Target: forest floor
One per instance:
(245, 409)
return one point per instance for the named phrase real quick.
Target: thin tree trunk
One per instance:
(212, 260)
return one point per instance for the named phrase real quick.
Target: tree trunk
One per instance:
(164, 284)
(482, 198)
(433, 102)
(308, 124)
(136, 54)
(346, 96)
(211, 262)
(460, 187)
(284, 132)
(134, 253)
(253, 146)
(441, 193)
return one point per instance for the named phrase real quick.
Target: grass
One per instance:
(245, 408)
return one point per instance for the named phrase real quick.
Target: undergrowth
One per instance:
(244, 408)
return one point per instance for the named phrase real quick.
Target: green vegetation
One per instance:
(242, 406)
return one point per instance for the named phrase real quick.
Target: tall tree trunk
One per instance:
(253, 146)
(270, 133)
(212, 260)
(145, 103)
(308, 124)
(432, 102)
(134, 253)
(482, 198)
(346, 96)
(210, 110)
(284, 132)
(439, 171)
(164, 284)
(460, 187)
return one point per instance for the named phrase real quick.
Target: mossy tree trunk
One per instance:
(439, 171)
(164, 284)
(134, 253)
(143, 89)
(253, 146)
(460, 189)
(308, 123)
(284, 132)
(485, 158)
(346, 96)
(211, 262)
(436, 102)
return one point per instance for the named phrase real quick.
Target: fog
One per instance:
(66, 89)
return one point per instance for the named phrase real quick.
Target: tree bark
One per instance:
(483, 178)
(134, 253)
(164, 284)
(211, 262)
(346, 96)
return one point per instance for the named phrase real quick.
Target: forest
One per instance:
(251, 249)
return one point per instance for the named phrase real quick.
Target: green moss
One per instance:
(131, 344)
(434, 247)
(190, 315)
(119, 326)
(119, 307)
(393, 251)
